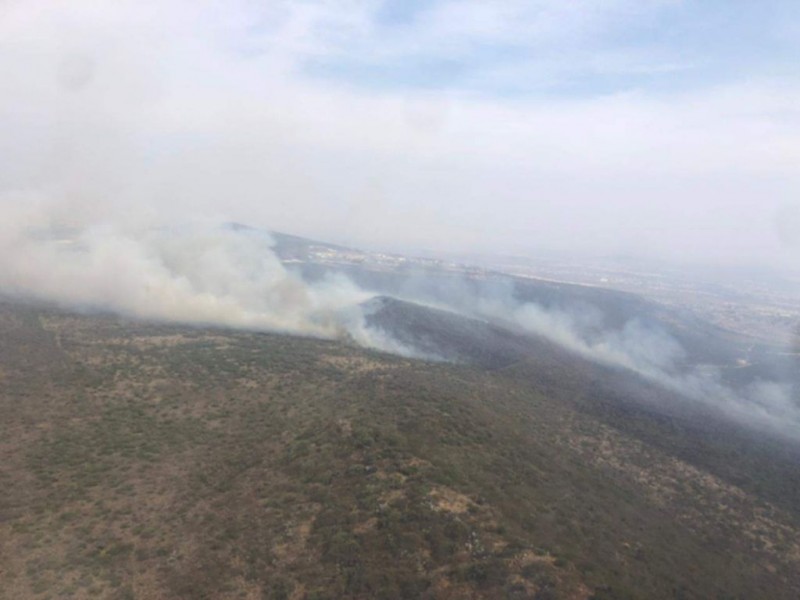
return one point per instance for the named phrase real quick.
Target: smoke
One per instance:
(197, 272)
(120, 122)
(124, 125)
(636, 344)
(200, 272)
(375, 337)
(189, 273)
(651, 352)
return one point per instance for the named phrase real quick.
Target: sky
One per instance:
(650, 128)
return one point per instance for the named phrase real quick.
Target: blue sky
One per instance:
(661, 128)
(582, 48)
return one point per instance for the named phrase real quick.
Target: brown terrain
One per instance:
(152, 461)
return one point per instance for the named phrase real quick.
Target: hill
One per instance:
(158, 461)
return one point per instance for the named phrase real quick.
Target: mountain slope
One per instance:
(154, 461)
(446, 335)
(698, 432)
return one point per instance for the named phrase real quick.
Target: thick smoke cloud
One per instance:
(198, 272)
(192, 274)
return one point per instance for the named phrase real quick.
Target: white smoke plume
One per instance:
(655, 355)
(644, 348)
(192, 273)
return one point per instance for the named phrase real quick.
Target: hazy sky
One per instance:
(664, 128)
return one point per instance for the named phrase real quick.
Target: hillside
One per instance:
(461, 287)
(155, 461)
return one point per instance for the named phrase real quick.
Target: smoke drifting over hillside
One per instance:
(198, 273)
(190, 274)
(655, 355)
(205, 273)
(644, 348)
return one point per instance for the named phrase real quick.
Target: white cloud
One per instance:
(205, 107)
